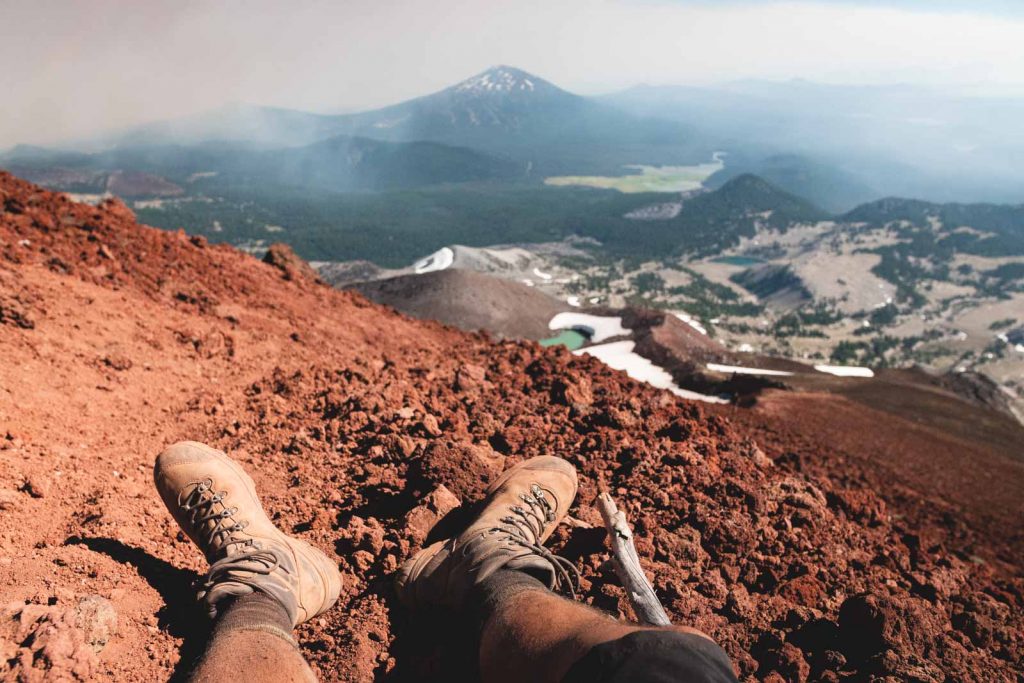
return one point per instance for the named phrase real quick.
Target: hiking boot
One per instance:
(214, 501)
(520, 511)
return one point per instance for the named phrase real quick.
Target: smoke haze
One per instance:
(74, 69)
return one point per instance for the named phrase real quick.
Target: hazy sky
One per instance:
(69, 68)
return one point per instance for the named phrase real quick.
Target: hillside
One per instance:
(995, 229)
(337, 164)
(739, 206)
(117, 339)
(469, 301)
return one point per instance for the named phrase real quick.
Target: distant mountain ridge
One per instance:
(340, 163)
(995, 229)
(843, 145)
(839, 146)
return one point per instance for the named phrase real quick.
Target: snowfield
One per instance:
(845, 370)
(739, 370)
(600, 327)
(439, 260)
(620, 356)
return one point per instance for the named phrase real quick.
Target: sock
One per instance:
(486, 598)
(255, 612)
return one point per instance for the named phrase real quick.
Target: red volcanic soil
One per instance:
(362, 428)
(930, 473)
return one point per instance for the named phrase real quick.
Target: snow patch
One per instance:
(597, 327)
(541, 274)
(439, 260)
(691, 321)
(497, 79)
(739, 370)
(845, 370)
(620, 356)
(573, 301)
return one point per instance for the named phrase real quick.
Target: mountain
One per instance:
(710, 222)
(826, 184)
(749, 193)
(502, 100)
(502, 111)
(498, 103)
(715, 220)
(510, 112)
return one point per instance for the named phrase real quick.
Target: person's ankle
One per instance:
(256, 612)
(497, 590)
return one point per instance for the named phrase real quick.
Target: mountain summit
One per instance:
(506, 81)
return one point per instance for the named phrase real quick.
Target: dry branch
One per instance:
(627, 565)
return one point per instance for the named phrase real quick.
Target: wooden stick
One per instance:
(627, 565)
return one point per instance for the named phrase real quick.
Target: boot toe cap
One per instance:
(183, 453)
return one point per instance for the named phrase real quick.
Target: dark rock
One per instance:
(292, 267)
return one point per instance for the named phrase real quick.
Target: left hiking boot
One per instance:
(215, 503)
(523, 506)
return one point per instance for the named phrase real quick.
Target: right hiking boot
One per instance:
(215, 503)
(521, 509)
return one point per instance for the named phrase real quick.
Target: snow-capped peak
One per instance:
(498, 79)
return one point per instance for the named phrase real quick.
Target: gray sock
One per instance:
(495, 590)
(254, 612)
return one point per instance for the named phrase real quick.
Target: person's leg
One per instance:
(253, 635)
(261, 583)
(531, 634)
(492, 573)
(527, 633)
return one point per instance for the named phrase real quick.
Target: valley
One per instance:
(640, 178)
(837, 291)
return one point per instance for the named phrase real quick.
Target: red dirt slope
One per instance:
(362, 428)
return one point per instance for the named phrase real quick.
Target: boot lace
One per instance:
(217, 529)
(525, 526)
